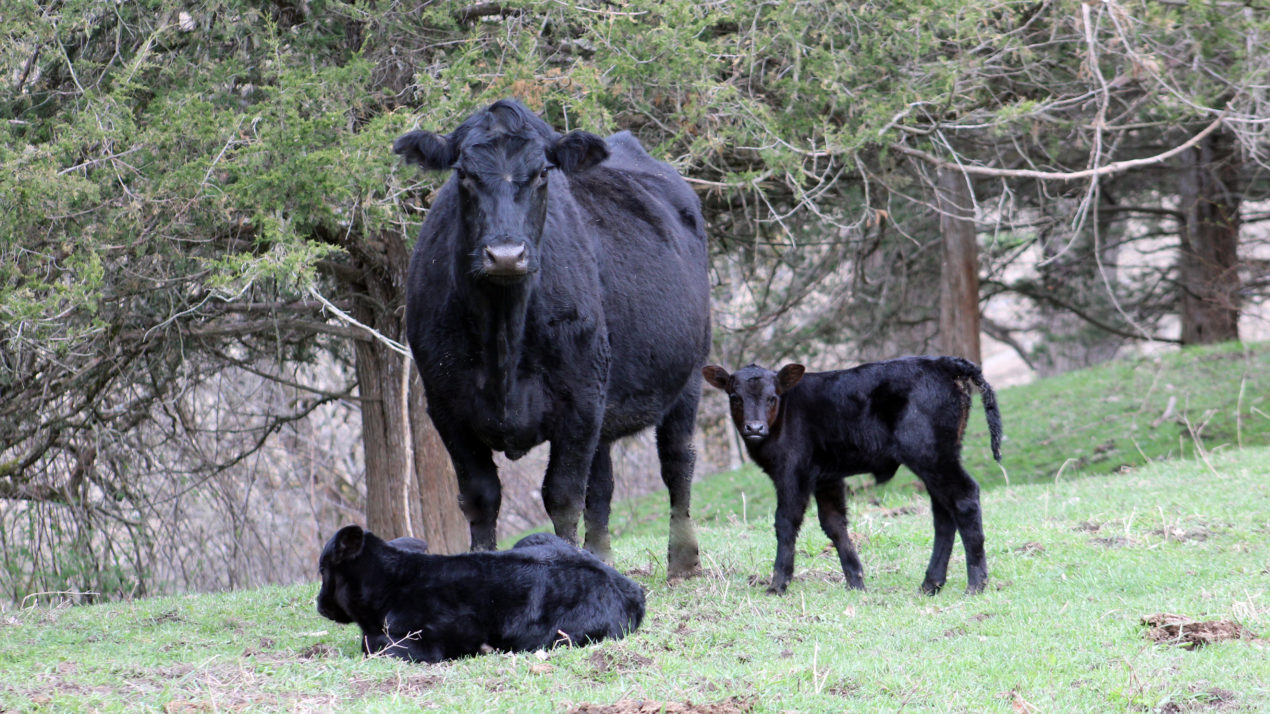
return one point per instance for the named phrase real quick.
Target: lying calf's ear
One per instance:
(716, 376)
(789, 376)
(349, 542)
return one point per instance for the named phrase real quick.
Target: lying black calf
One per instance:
(427, 608)
(809, 431)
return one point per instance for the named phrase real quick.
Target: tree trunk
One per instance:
(959, 275)
(1208, 258)
(411, 489)
(410, 485)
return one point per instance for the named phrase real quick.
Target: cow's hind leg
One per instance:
(674, 449)
(599, 498)
(831, 507)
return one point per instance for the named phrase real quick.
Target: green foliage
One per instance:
(1075, 566)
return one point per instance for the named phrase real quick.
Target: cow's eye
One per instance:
(771, 402)
(460, 173)
(542, 173)
(734, 398)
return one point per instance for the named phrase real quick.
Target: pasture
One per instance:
(1075, 566)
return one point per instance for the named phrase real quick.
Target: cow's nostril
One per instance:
(506, 259)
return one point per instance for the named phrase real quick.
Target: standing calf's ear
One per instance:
(577, 151)
(428, 150)
(348, 544)
(789, 376)
(716, 376)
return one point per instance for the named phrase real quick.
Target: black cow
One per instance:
(558, 292)
(426, 608)
(809, 430)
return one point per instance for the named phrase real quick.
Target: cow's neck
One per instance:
(499, 316)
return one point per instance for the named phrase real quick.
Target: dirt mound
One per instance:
(734, 705)
(1184, 631)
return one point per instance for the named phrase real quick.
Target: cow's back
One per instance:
(651, 250)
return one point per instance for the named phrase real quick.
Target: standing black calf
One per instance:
(810, 430)
(422, 607)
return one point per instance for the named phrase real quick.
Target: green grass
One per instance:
(1117, 415)
(1075, 566)
(1083, 541)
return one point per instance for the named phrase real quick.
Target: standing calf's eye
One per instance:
(771, 402)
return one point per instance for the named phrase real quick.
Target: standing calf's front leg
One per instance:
(791, 504)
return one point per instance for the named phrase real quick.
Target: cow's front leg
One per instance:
(564, 485)
(480, 494)
(599, 497)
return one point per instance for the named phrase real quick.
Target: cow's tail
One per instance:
(969, 370)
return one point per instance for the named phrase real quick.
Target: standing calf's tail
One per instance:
(971, 371)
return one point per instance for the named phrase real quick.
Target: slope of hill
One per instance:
(1076, 566)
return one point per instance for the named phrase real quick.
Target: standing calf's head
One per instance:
(754, 394)
(501, 157)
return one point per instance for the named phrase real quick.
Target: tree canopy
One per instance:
(204, 233)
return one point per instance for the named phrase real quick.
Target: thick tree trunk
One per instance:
(411, 489)
(1208, 259)
(959, 275)
(410, 484)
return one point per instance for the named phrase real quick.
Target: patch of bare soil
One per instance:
(617, 660)
(1167, 629)
(1030, 548)
(1201, 699)
(733, 705)
(1183, 535)
(409, 685)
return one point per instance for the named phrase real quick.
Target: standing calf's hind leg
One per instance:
(674, 449)
(831, 507)
(945, 529)
(954, 498)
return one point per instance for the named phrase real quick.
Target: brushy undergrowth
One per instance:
(1075, 566)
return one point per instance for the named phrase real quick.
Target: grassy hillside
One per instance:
(1128, 412)
(1075, 567)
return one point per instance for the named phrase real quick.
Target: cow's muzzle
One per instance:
(505, 259)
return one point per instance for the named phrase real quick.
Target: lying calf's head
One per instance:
(340, 593)
(754, 395)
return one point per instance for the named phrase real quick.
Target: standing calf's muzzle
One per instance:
(754, 430)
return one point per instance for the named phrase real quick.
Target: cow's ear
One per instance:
(716, 376)
(788, 377)
(430, 151)
(577, 151)
(349, 542)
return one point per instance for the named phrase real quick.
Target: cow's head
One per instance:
(754, 394)
(502, 158)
